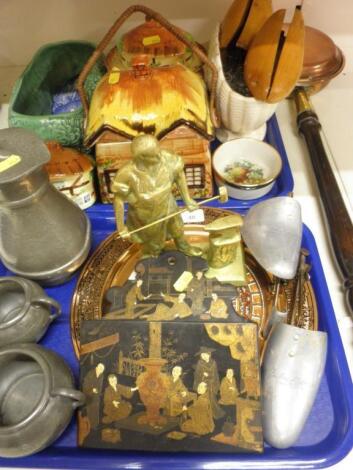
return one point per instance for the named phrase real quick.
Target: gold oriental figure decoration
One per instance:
(133, 295)
(115, 407)
(228, 390)
(170, 393)
(200, 414)
(218, 307)
(146, 183)
(92, 387)
(178, 395)
(179, 309)
(196, 291)
(206, 371)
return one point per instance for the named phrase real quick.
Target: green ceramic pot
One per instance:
(50, 69)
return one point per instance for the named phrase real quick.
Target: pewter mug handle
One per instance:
(76, 396)
(51, 303)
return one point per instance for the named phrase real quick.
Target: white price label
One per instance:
(194, 217)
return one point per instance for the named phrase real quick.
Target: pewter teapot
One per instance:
(43, 235)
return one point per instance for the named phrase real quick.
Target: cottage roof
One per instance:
(65, 161)
(148, 100)
(152, 38)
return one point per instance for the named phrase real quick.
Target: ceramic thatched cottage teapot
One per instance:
(151, 87)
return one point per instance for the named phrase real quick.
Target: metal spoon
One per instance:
(298, 299)
(277, 315)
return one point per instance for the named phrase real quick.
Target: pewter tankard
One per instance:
(43, 235)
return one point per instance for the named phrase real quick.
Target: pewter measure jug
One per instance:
(43, 235)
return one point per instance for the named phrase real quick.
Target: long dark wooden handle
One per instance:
(338, 220)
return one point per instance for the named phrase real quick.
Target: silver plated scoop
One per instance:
(272, 231)
(292, 369)
(294, 358)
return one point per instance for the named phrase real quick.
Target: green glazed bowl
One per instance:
(50, 69)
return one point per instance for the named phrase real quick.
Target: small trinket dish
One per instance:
(37, 398)
(247, 167)
(25, 311)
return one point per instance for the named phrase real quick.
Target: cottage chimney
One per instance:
(141, 66)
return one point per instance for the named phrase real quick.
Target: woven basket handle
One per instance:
(171, 28)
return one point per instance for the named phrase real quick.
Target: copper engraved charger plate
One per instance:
(115, 259)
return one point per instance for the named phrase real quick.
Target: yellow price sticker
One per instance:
(9, 162)
(150, 40)
(114, 76)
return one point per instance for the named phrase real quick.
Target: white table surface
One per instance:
(334, 106)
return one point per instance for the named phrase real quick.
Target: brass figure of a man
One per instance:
(145, 183)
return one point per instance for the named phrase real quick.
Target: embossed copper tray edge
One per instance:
(129, 253)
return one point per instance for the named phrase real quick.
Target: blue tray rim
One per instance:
(55, 458)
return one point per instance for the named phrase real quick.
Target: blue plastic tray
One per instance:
(327, 437)
(283, 185)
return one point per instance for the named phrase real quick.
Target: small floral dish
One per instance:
(247, 167)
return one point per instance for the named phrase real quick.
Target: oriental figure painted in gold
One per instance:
(191, 387)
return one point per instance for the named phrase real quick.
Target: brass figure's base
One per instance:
(233, 273)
